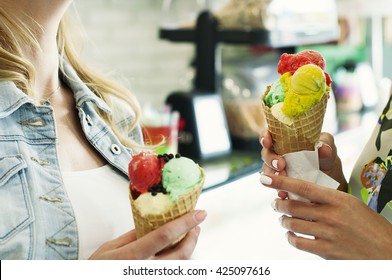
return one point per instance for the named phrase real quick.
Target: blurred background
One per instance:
(124, 38)
(152, 47)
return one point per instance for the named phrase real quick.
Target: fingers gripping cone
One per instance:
(183, 205)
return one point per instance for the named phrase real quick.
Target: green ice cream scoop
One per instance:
(179, 176)
(275, 95)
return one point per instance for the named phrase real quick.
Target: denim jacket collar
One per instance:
(12, 97)
(82, 93)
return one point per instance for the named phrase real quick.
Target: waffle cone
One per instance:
(183, 205)
(303, 134)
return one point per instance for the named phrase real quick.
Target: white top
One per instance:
(101, 205)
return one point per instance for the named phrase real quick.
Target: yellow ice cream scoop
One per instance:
(303, 89)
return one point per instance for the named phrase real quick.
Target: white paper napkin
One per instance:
(305, 165)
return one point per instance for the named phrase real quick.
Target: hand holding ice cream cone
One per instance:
(294, 107)
(162, 188)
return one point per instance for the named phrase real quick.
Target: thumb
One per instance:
(326, 158)
(325, 151)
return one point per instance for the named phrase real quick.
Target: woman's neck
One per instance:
(43, 17)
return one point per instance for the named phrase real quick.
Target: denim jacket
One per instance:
(36, 216)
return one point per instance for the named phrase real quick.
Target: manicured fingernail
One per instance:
(197, 230)
(326, 145)
(200, 216)
(265, 180)
(274, 163)
(320, 144)
(288, 236)
(281, 220)
(261, 141)
(273, 204)
(276, 173)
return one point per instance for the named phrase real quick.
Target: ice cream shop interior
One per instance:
(200, 70)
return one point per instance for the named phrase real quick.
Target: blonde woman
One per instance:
(67, 136)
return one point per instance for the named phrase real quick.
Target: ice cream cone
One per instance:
(183, 205)
(303, 134)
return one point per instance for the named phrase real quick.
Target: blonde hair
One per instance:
(15, 67)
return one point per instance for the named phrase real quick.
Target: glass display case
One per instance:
(276, 24)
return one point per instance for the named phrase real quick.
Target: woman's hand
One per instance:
(272, 162)
(343, 226)
(329, 161)
(151, 245)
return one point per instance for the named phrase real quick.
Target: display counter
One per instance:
(241, 224)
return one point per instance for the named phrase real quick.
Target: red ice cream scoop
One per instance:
(144, 170)
(291, 62)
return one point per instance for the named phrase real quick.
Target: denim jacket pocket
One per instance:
(15, 202)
